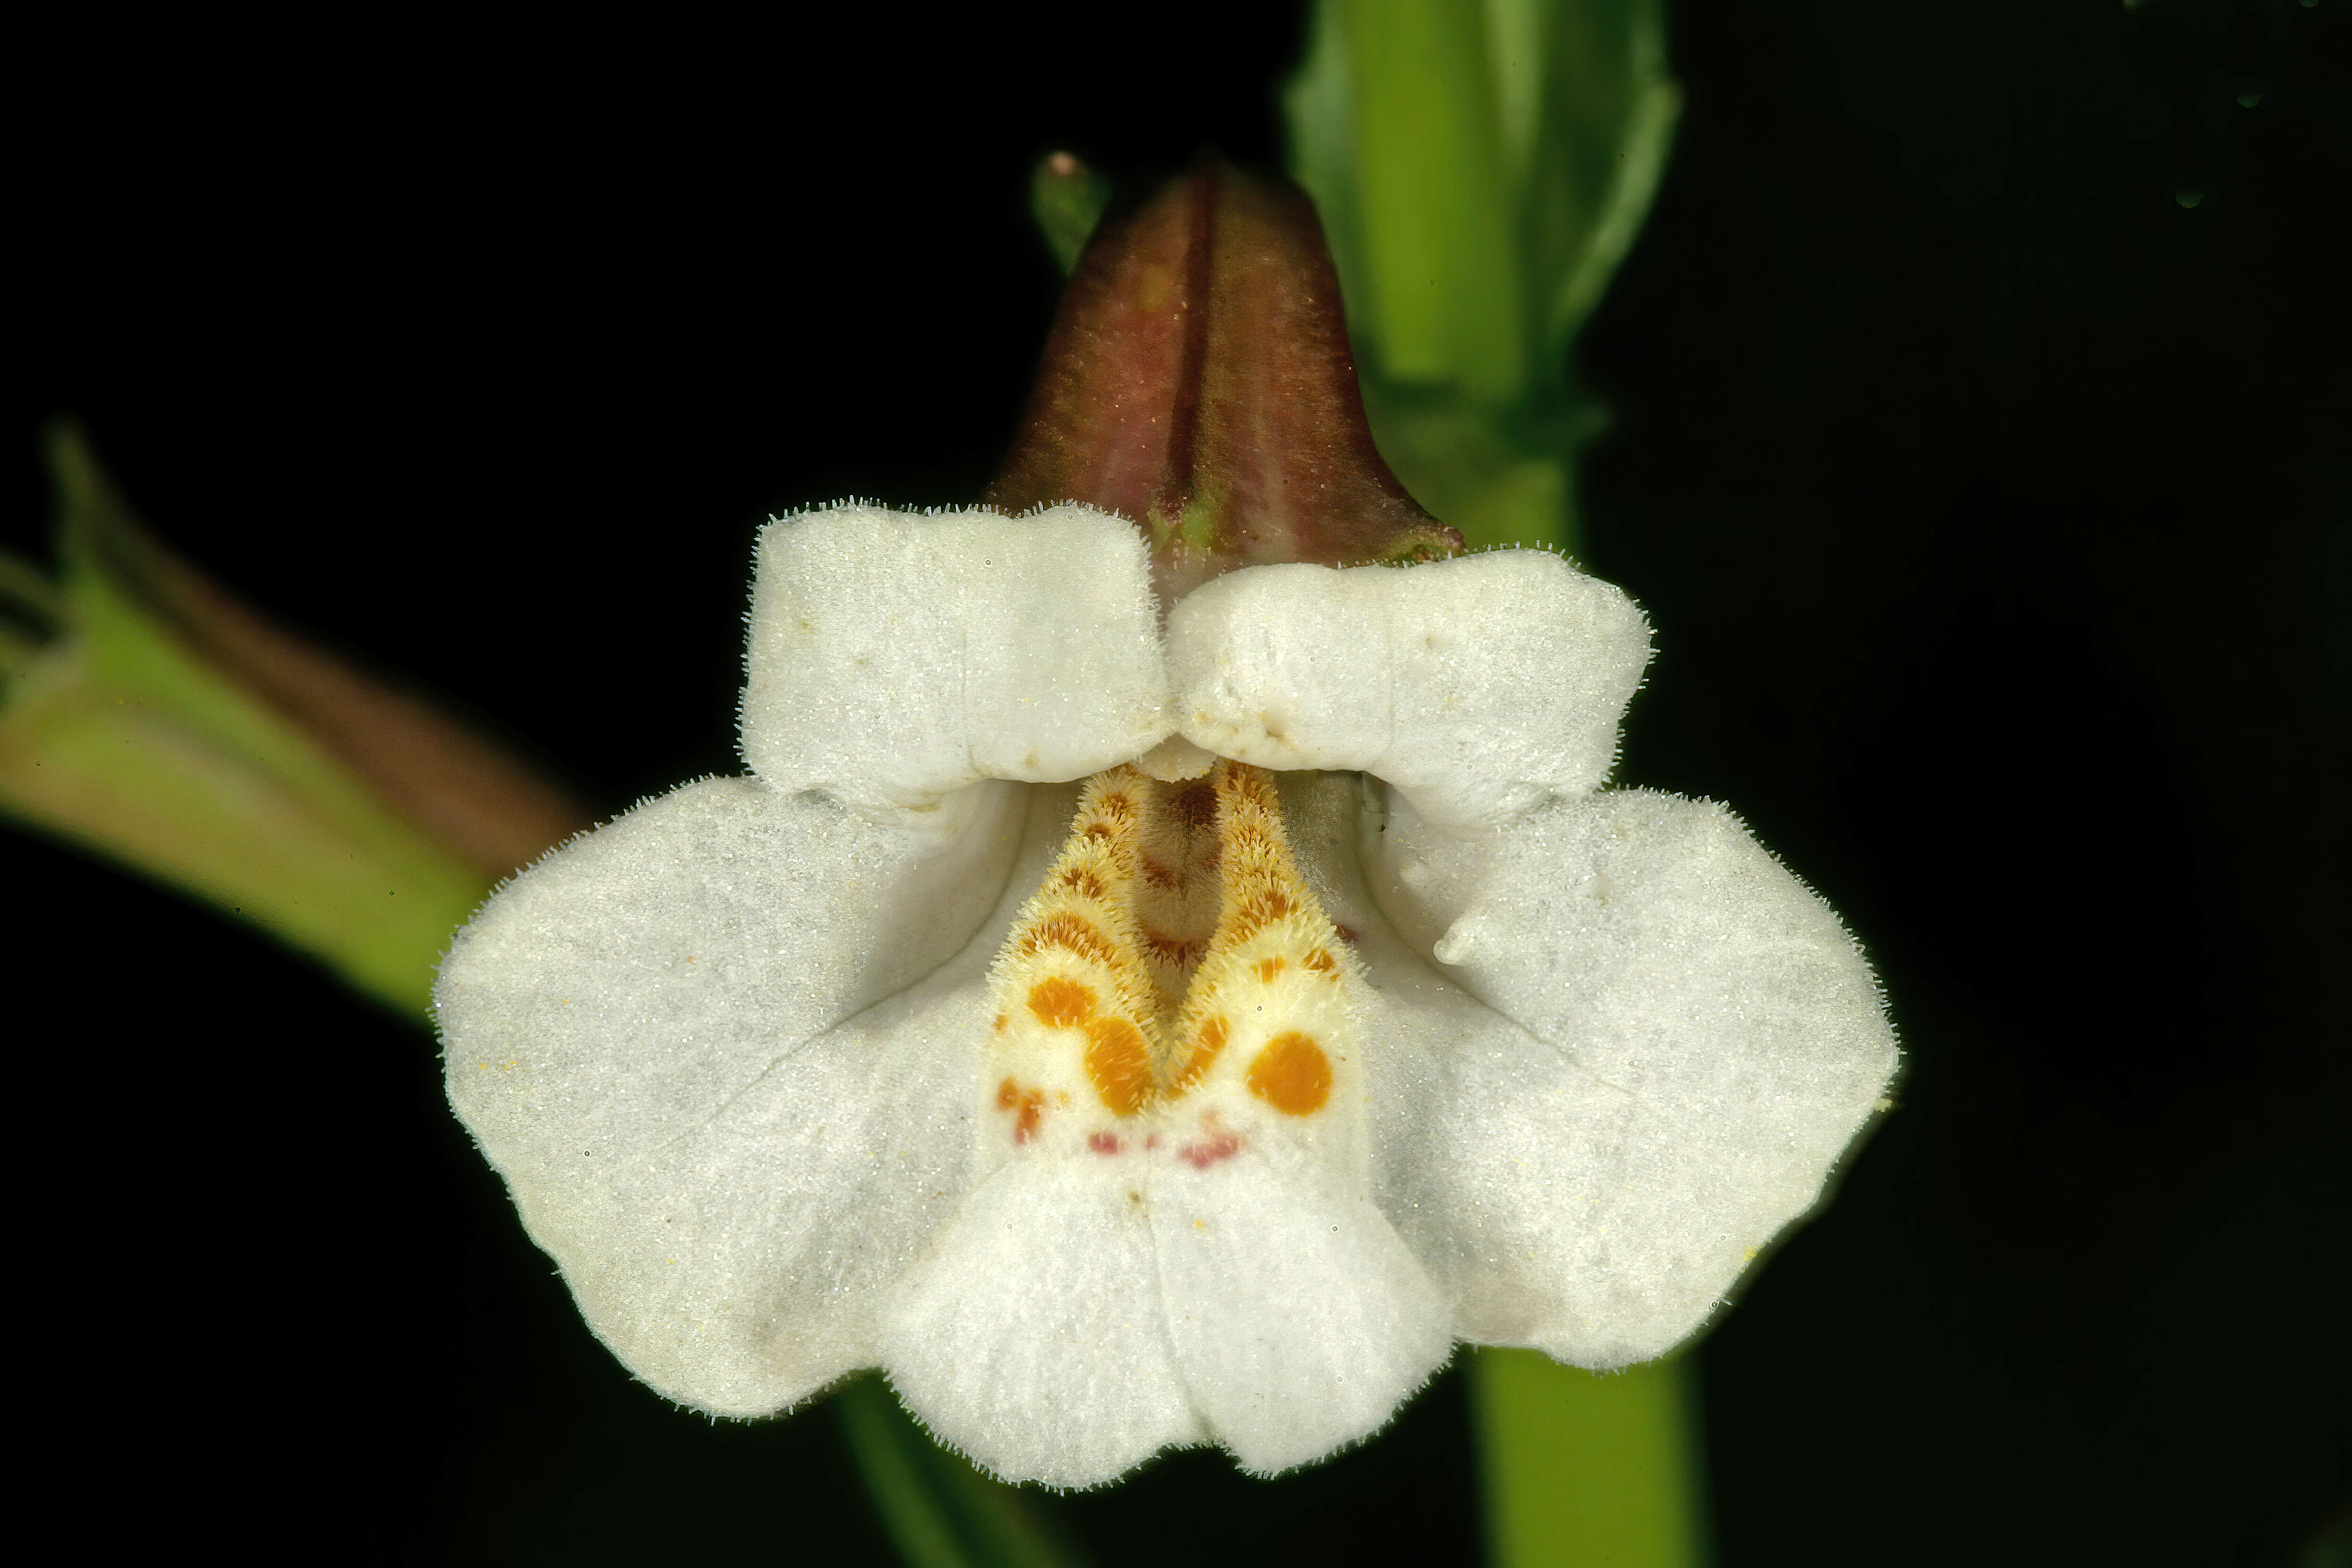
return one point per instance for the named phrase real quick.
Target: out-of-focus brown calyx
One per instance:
(1197, 382)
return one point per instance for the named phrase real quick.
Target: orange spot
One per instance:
(1000, 1021)
(1071, 934)
(1268, 968)
(1079, 879)
(1207, 1041)
(1097, 831)
(1292, 1074)
(1322, 963)
(1259, 911)
(1118, 807)
(1059, 1003)
(1119, 1064)
(1027, 1106)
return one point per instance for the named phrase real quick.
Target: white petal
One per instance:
(1300, 1321)
(1479, 686)
(894, 657)
(1034, 1340)
(1701, 1041)
(666, 1038)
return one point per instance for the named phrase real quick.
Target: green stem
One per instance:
(1589, 1468)
(939, 1511)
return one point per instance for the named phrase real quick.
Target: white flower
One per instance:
(1220, 1119)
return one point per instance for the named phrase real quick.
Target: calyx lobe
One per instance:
(1198, 383)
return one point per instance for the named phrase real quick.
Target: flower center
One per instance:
(1171, 968)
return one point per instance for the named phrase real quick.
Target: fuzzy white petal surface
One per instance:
(1685, 1041)
(1034, 1338)
(894, 657)
(1300, 1322)
(721, 1050)
(1480, 686)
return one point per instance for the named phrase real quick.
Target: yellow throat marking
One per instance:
(1171, 952)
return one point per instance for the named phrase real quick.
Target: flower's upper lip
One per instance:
(848, 692)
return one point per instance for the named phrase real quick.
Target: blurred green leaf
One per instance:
(118, 736)
(1482, 169)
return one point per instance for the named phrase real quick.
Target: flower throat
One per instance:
(1172, 929)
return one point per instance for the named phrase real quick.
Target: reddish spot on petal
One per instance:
(1322, 963)
(1104, 1142)
(1210, 1150)
(1292, 1074)
(1348, 934)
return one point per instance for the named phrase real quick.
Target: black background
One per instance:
(1984, 496)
